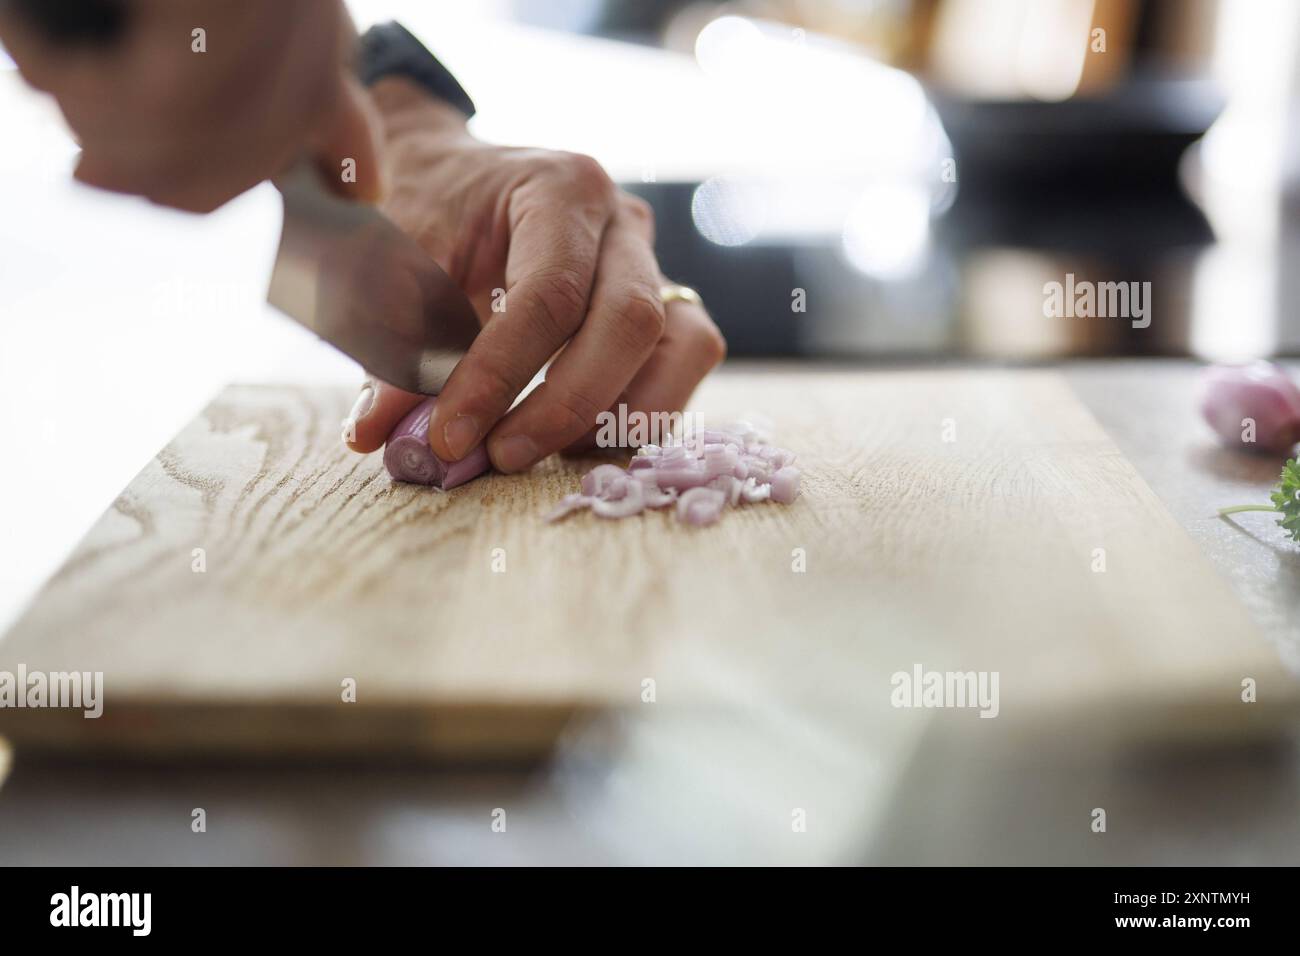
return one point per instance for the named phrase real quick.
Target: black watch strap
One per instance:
(70, 22)
(389, 49)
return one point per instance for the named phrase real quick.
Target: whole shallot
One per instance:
(1254, 407)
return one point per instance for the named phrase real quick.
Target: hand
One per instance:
(575, 259)
(195, 129)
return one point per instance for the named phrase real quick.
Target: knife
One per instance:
(347, 273)
(343, 269)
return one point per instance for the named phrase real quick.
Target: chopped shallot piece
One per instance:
(657, 498)
(752, 491)
(616, 488)
(569, 504)
(729, 486)
(682, 477)
(700, 506)
(785, 485)
(720, 463)
(595, 482)
(631, 502)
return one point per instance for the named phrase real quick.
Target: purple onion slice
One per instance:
(700, 506)
(785, 485)
(599, 481)
(729, 486)
(753, 492)
(657, 498)
(630, 502)
(569, 504)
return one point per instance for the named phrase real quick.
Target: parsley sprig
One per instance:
(1286, 501)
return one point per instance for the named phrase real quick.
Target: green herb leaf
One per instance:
(1286, 499)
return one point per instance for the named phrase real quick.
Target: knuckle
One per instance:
(639, 315)
(587, 175)
(637, 209)
(572, 415)
(556, 304)
(709, 343)
(494, 388)
(639, 213)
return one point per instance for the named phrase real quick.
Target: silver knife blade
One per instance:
(347, 273)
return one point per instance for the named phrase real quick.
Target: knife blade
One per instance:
(349, 274)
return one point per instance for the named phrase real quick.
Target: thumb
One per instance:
(348, 150)
(375, 413)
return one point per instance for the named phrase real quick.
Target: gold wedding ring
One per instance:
(678, 293)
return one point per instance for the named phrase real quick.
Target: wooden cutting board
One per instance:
(950, 519)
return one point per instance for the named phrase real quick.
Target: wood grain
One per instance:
(974, 553)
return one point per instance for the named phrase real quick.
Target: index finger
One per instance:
(555, 239)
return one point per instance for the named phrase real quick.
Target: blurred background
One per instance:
(920, 168)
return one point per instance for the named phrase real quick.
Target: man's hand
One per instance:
(568, 261)
(191, 129)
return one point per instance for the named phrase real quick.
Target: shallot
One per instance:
(1256, 406)
(408, 457)
(701, 474)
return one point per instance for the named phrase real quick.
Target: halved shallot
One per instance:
(408, 457)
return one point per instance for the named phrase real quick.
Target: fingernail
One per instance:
(515, 453)
(364, 403)
(360, 409)
(461, 435)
